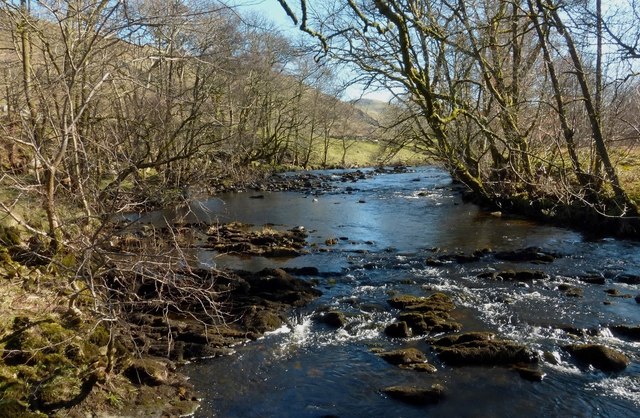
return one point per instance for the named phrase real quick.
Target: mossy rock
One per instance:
(9, 236)
(12, 408)
(430, 321)
(11, 387)
(60, 390)
(42, 342)
(148, 371)
(5, 257)
(262, 321)
(599, 356)
(479, 348)
(435, 302)
(403, 356)
(100, 336)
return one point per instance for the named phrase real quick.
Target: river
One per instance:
(386, 227)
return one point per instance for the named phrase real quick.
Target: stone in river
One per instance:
(626, 331)
(599, 356)
(481, 348)
(403, 356)
(527, 373)
(529, 254)
(398, 330)
(334, 319)
(416, 395)
(628, 279)
(435, 302)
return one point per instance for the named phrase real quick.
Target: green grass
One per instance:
(363, 153)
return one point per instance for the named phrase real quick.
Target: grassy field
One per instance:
(360, 153)
(628, 167)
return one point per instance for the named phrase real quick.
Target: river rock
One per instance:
(570, 291)
(278, 285)
(420, 367)
(416, 395)
(403, 356)
(398, 330)
(433, 321)
(528, 373)
(481, 348)
(148, 371)
(626, 331)
(261, 320)
(529, 254)
(240, 239)
(628, 279)
(334, 319)
(599, 356)
(638, 299)
(593, 280)
(426, 314)
(435, 302)
(617, 294)
(579, 332)
(460, 258)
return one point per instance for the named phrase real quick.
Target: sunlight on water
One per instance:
(627, 387)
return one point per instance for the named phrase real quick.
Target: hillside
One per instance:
(373, 110)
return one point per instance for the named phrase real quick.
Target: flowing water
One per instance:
(387, 227)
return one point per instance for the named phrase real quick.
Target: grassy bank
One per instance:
(362, 153)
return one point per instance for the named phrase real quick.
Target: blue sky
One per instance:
(271, 9)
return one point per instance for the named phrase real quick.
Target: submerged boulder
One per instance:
(593, 280)
(628, 279)
(530, 254)
(599, 356)
(416, 395)
(528, 373)
(626, 331)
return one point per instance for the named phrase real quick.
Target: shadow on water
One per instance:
(387, 226)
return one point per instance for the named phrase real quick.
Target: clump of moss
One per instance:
(60, 390)
(12, 408)
(99, 336)
(47, 365)
(9, 236)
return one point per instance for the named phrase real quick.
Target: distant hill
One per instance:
(374, 109)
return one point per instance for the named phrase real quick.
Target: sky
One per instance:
(271, 9)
